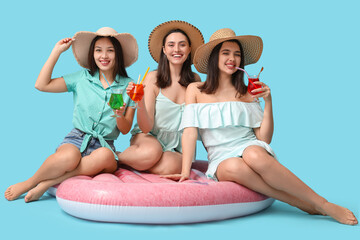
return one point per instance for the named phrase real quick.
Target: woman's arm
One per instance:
(266, 130)
(188, 139)
(125, 121)
(188, 142)
(44, 82)
(189, 136)
(146, 111)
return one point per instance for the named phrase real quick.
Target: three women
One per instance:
(234, 129)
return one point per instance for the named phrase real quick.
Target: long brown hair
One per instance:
(163, 72)
(119, 68)
(212, 79)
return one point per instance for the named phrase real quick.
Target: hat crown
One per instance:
(159, 32)
(222, 33)
(106, 31)
(83, 41)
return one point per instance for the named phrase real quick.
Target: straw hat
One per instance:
(252, 46)
(157, 35)
(83, 39)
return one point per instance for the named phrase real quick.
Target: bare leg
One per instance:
(144, 152)
(236, 170)
(279, 177)
(170, 163)
(100, 160)
(65, 159)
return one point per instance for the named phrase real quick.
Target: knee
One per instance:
(104, 156)
(233, 169)
(148, 157)
(69, 158)
(252, 153)
(103, 160)
(257, 158)
(152, 154)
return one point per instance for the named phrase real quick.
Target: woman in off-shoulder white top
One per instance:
(236, 132)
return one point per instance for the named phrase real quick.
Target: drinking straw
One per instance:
(262, 68)
(138, 79)
(243, 71)
(108, 83)
(144, 75)
(253, 84)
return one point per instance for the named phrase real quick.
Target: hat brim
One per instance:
(252, 47)
(83, 39)
(157, 35)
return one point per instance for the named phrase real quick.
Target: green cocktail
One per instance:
(116, 100)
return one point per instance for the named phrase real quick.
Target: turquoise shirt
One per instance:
(92, 114)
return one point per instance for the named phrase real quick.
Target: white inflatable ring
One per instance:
(132, 197)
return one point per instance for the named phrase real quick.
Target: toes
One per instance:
(33, 195)
(351, 219)
(351, 222)
(8, 194)
(8, 191)
(28, 197)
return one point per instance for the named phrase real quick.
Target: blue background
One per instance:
(311, 61)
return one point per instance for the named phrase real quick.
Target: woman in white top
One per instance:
(236, 132)
(156, 143)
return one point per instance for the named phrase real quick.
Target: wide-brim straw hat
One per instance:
(83, 39)
(157, 35)
(252, 47)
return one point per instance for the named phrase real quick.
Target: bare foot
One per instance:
(36, 193)
(16, 190)
(340, 214)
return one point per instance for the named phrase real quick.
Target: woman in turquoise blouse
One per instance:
(88, 149)
(236, 132)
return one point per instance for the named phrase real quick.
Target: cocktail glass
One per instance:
(116, 100)
(136, 94)
(251, 84)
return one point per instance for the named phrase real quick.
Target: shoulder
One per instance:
(150, 78)
(150, 83)
(192, 92)
(194, 87)
(72, 79)
(83, 73)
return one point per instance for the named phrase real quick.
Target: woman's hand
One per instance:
(177, 177)
(129, 87)
(120, 111)
(263, 92)
(63, 45)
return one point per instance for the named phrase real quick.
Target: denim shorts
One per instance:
(76, 137)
